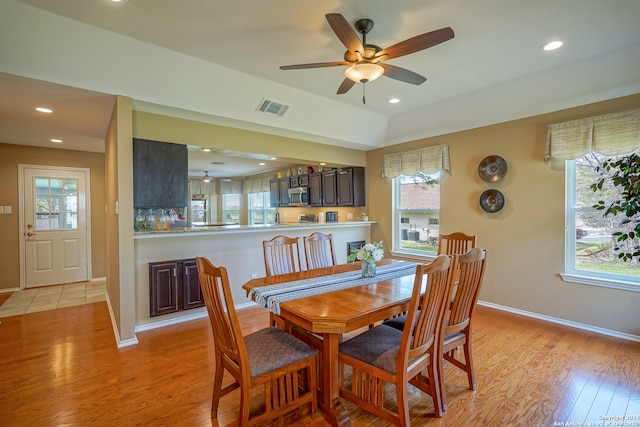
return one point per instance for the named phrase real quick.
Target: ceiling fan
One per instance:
(365, 61)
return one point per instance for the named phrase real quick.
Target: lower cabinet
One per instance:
(174, 286)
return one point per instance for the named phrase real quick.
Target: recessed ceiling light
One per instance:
(57, 141)
(44, 110)
(552, 45)
(272, 158)
(262, 163)
(394, 100)
(206, 149)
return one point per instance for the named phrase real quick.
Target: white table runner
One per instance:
(272, 296)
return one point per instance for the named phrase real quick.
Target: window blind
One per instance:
(256, 185)
(609, 134)
(411, 163)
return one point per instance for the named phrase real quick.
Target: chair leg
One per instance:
(245, 405)
(217, 387)
(403, 404)
(469, 364)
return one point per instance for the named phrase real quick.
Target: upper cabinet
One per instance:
(335, 187)
(350, 187)
(160, 174)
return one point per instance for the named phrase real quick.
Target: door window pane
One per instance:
(56, 203)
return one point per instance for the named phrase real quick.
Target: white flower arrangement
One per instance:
(371, 252)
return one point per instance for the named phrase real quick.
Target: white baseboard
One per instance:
(173, 321)
(120, 343)
(564, 322)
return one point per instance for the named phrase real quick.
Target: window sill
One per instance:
(595, 281)
(412, 256)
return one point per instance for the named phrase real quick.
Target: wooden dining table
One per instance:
(330, 315)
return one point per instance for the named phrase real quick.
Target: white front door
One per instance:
(54, 224)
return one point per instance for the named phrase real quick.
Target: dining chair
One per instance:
(457, 327)
(283, 365)
(387, 355)
(281, 255)
(467, 276)
(455, 243)
(318, 250)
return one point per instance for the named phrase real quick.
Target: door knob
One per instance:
(30, 233)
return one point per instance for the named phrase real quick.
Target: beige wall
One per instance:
(10, 157)
(525, 240)
(181, 131)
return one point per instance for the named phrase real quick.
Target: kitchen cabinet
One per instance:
(335, 187)
(315, 189)
(350, 187)
(160, 174)
(173, 286)
(279, 192)
(329, 188)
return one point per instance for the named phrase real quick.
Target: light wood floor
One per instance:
(62, 367)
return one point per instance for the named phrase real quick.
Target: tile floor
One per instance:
(52, 297)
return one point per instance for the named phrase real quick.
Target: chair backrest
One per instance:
(423, 330)
(455, 243)
(281, 255)
(470, 266)
(227, 334)
(318, 250)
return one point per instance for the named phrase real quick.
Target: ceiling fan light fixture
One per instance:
(206, 177)
(364, 73)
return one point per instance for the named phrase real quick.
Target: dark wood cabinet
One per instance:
(329, 188)
(350, 184)
(283, 189)
(191, 291)
(160, 174)
(315, 189)
(279, 192)
(173, 286)
(335, 187)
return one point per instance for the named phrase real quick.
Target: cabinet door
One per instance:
(351, 191)
(191, 291)
(274, 193)
(329, 188)
(163, 292)
(283, 189)
(160, 174)
(315, 189)
(345, 187)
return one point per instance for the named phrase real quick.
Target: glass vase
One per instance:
(368, 269)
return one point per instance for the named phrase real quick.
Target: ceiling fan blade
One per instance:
(402, 74)
(345, 33)
(414, 44)
(345, 86)
(313, 65)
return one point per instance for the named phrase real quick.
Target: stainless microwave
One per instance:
(298, 196)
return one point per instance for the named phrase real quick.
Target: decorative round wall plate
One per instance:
(492, 169)
(492, 201)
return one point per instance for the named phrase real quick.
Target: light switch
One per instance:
(7, 210)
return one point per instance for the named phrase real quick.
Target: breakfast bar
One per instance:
(237, 247)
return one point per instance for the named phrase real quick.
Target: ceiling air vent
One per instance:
(273, 107)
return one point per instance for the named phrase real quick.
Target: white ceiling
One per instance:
(215, 61)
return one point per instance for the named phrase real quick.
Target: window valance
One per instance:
(609, 134)
(256, 185)
(230, 187)
(414, 162)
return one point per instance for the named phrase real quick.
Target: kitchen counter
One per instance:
(226, 229)
(239, 248)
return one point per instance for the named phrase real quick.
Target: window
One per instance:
(199, 210)
(417, 214)
(231, 208)
(56, 203)
(591, 250)
(260, 210)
